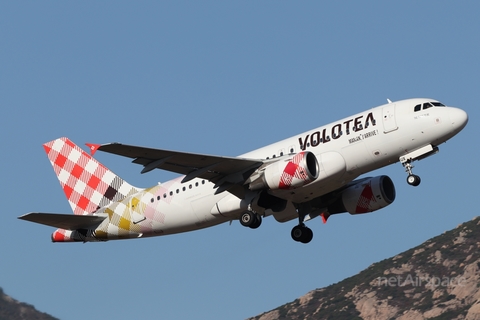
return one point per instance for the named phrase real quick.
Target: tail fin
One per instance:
(87, 183)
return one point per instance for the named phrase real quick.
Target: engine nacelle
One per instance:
(295, 172)
(367, 195)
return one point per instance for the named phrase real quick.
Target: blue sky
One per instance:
(220, 78)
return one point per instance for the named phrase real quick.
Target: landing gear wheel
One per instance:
(308, 235)
(413, 180)
(247, 219)
(302, 234)
(297, 233)
(257, 222)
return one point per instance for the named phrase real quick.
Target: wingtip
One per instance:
(23, 216)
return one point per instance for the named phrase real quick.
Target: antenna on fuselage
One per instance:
(389, 101)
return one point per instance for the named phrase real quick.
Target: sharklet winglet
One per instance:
(93, 147)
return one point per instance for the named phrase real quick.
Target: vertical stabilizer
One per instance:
(87, 183)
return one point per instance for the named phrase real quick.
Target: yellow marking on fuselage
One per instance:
(135, 202)
(109, 212)
(124, 223)
(99, 234)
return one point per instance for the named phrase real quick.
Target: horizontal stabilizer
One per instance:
(63, 221)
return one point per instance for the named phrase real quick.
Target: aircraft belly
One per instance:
(230, 206)
(287, 214)
(202, 208)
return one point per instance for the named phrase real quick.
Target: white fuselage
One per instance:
(366, 141)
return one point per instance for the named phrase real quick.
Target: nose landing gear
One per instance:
(412, 179)
(418, 154)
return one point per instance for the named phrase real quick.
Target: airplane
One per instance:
(312, 174)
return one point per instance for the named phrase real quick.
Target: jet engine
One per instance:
(367, 195)
(294, 172)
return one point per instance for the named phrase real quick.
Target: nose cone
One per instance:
(459, 119)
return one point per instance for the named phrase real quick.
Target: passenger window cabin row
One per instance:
(184, 188)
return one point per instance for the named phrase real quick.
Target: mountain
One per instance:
(440, 279)
(11, 309)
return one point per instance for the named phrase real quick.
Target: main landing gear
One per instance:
(250, 219)
(412, 179)
(302, 233)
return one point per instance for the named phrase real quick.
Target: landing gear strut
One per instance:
(251, 219)
(417, 154)
(302, 233)
(412, 179)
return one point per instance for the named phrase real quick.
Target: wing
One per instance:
(228, 173)
(63, 221)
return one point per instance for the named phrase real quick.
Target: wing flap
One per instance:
(63, 221)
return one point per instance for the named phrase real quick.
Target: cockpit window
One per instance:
(427, 105)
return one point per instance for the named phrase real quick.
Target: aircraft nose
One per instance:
(459, 119)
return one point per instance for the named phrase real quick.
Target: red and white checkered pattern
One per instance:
(294, 173)
(87, 183)
(366, 199)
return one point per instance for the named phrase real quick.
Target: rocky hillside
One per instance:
(439, 279)
(11, 309)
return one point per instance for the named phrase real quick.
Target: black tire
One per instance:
(308, 235)
(257, 222)
(297, 233)
(302, 234)
(247, 219)
(413, 180)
